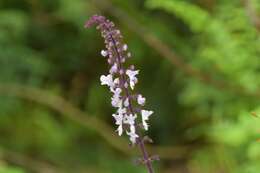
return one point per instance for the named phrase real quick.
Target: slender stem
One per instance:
(140, 142)
(145, 155)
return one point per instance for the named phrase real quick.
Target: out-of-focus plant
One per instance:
(220, 47)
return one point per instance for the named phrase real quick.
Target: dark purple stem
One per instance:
(145, 155)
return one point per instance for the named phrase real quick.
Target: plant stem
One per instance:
(145, 155)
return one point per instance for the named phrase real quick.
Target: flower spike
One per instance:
(121, 81)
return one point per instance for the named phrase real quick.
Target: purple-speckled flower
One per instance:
(121, 80)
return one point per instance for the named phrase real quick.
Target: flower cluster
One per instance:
(121, 81)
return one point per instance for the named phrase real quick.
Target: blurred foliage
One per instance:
(43, 44)
(10, 170)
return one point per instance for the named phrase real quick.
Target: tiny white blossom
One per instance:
(117, 32)
(116, 101)
(120, 129)
(132, 134)
(126, 102)
(104, 53)
(119, 119)
(117, 92)
(113, 69)
(121, 111)
(124, 47)
(131, 74)
(107, 80)
(145, 116)
(126, 85)
(119, 122)
(116, 81)
(113, 88)
(130, 119)
(140, 99)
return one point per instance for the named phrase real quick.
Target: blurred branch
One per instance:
(166, 51)
(31, 164)
(208, 4)
(251, 12)
(68, 110)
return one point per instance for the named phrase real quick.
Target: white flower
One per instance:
(119, 122)
(117, 32)
(124, 47)
(119, 119)
(117, 92)
(104, 53)
(113, 69)
(120, 129)
(126, 85)
(140, 99)
(116, 101)
(121, 111)
(130, 119)
(107, 80)
(145, 116)
(133, 80)
(126, 102)
(116, 81)
(132, 134)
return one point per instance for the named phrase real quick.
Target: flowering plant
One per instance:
(121, 82)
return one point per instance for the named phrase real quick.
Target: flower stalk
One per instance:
(121, 82)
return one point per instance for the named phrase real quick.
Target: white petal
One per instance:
(119, 122)
(120, 130)
(116, 102)
(128, 54)
(126, 85)
(145, 116)
(132, 85)
(132, 129)
(121, 111)
(104, 53)
(113, 69)
(117, 92)
(132, 73)
(124, 47)
(130, 119)
(140, 100)
(132, 135)
(107, 80)
(145, 125)
(126, 102)
(116, 81)
(117, 32)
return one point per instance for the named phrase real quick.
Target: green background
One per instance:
(199, 64)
